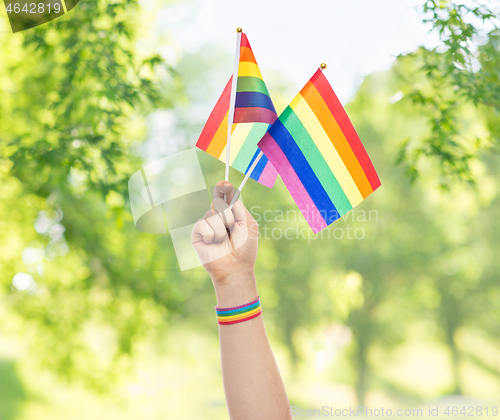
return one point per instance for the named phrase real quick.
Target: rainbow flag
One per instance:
(254, 113)
(319, 156)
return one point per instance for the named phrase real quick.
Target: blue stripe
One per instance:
(304, 171)
(257, 171)
(253, 100)
(251, 162)
(233, 311)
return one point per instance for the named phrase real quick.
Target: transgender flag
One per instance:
(318, 154)
(253, 113)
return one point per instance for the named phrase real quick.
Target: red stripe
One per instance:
(321, 83)
(215, 119)
(238, 307)
(244, 41)
(251, 115)
(241, 320)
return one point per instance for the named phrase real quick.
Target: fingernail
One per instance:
(225, 188)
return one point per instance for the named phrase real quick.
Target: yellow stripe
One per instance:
(237, 317)
(327, 149)
(316, 102)
(239, 133)
(222, 156)
(238, 137)
(247, 69)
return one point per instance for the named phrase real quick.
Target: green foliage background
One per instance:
(112, 328)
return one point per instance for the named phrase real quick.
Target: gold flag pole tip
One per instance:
(239, 30)
(323, 66)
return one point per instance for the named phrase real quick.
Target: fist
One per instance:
(226, 238)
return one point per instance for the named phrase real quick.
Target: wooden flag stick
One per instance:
(249, 172)
(234, 84)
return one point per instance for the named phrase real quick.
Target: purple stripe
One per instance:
(237, 307)
(269, 175)
(303, 168)
(306, 205)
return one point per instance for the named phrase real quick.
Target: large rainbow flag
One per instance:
(318, 154)
(253, 114)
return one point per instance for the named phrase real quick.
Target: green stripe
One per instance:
(316, 160)
(249, 147)
(251, 84)
(242, 311)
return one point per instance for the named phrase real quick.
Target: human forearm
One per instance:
(226, 241)
(252, 382)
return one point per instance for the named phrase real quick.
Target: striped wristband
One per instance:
(237, 314)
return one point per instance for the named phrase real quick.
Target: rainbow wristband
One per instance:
(242, 313)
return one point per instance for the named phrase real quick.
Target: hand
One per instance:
(226, 239)
(226, 242)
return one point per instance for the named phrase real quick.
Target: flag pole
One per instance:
(230, 117)
(249, 172)
(254, 164)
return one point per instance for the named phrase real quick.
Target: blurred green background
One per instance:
(97, 321)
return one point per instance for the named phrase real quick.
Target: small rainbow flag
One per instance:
(254, 112)
(318, 154)
(253, 102)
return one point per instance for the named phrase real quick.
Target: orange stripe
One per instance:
(219, 140)
(258, 309)
(246, 54)
(337, 137)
